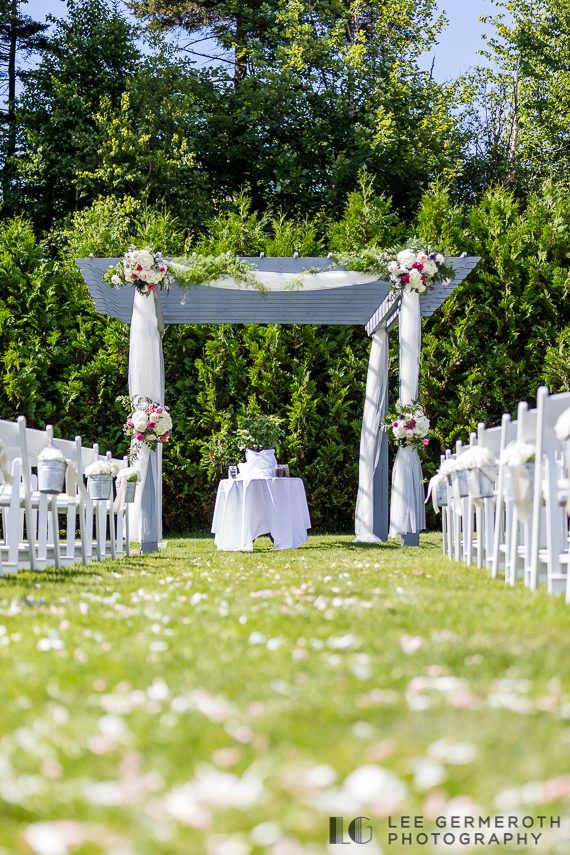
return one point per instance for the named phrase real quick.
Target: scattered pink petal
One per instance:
(411, 643)
(463, 700)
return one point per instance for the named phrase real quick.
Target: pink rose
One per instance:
(130, 423)
(144, 275)
(134, 276)
(116, 280)
(159, 410)
(140, 437)
(151, 425)
(425, 441)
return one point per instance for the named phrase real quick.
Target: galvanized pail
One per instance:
(130, 494)
(100, 486)
(51, 475)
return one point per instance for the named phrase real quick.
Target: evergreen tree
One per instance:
(88, 57)
(20, 36)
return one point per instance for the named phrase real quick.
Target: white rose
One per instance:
(422, 426)
(415, 279)
(163, 424)
(406, 258)
(440, 258)
(145, 259)
(140, 420)
(430, 267)
(393, 267)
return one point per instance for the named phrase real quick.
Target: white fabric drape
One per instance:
(146, 377)
(407, 509)
(274, 281)
(371, 509)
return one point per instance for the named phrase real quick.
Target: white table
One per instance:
(248, 508)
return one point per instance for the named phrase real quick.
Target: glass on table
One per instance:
(286, 473)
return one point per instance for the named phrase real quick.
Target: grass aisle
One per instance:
(196, 702)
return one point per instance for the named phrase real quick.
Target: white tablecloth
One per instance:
(246, 509)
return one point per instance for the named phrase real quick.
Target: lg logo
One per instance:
(357, 831)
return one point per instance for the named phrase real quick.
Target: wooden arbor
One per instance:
(320, 301)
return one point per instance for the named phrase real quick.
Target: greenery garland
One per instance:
(204, 269)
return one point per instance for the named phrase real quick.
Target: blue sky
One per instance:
(456, 51)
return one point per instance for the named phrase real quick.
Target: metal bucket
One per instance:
(463, 478)
(486, 484)
(508, 481)
(442, 495)
(51, 475)
(100, 486)
(130, 493)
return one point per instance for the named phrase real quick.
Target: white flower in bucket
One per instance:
(51, 465)
(517, 453)
(100, 475)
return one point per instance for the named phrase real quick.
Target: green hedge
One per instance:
(502, 333)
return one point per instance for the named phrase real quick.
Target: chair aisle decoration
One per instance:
(513, 503)
(42, 489)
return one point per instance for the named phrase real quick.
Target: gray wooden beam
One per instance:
(347, 304)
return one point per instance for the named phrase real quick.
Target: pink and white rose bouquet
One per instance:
(415, 270)
(408, 426)
(148, 424)
(142, 268)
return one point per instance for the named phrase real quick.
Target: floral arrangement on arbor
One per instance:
(142, 268)
(410, 266)
(145, 270)
(408, 426)
(415, 270)
(148, 423)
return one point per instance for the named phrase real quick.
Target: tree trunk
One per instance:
(240, 56)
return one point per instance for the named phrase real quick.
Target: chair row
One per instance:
(511, 517)
(40, 529)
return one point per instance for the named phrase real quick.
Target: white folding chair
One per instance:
(489, 438)
(549, 521)
(503, 504)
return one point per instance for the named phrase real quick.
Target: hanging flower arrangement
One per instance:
(142, 268)
(415, 270)
(410, 267)
(148, 424)
(408, 426)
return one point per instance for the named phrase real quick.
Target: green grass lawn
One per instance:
(196, 702)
